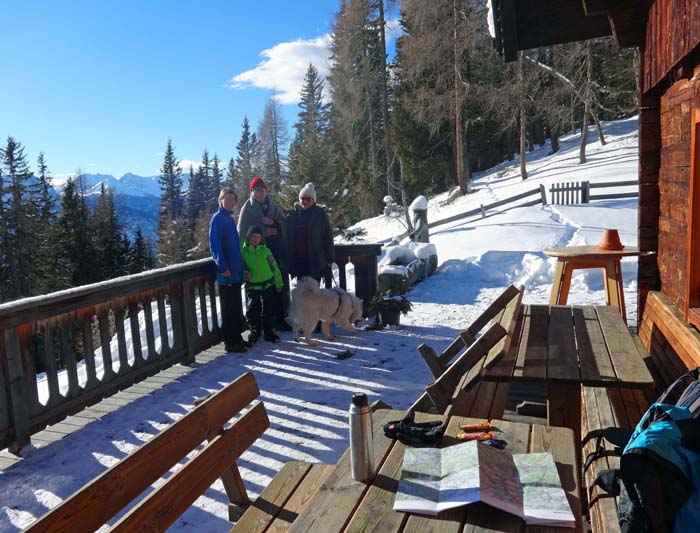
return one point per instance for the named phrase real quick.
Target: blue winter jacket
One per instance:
(225, 247)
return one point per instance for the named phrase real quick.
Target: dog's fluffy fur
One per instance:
(311, 304)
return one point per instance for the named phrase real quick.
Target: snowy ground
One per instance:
(307, 390)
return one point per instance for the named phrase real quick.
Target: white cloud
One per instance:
(92, 164)
(283, 68)
(185, 165)
(393, 29)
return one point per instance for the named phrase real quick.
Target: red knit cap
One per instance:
(257, 183)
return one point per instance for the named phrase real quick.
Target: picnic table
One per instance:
(569, 346)
(342, 504)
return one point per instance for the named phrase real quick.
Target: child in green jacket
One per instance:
(262, 279)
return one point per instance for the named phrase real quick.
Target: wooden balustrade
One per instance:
(64, 351)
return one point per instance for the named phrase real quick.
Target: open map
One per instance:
(526, 485)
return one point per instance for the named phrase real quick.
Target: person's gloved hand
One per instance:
(415, 434)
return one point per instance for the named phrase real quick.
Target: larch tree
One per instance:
(273, 137)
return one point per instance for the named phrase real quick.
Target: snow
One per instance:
(420, 203)
(306, 390)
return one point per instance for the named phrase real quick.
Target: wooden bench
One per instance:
(104, 497)
(457, 388)
(284, 498)
(669, 349)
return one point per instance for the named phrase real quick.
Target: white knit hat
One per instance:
(308, 191)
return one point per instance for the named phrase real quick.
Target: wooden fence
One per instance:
(48, 344)
(580, 192)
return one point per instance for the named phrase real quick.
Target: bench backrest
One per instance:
(673, 347)
(439, 363)
(101, 499)
(447, 391)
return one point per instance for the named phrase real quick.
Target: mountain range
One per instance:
(136, 198)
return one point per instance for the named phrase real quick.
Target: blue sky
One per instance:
(101, 85)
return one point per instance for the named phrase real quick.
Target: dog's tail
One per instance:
(307, 284)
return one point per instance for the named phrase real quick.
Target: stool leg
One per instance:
(612, 285)
(556, 283)
(620, 289)
(566, 283)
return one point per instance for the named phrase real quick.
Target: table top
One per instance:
(342, 504)
(590, 345)
(577, 252)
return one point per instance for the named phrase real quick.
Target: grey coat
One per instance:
(252, 213)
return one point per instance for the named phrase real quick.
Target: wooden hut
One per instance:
(667, 33)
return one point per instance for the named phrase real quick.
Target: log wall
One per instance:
(674, 184)
(672, 35)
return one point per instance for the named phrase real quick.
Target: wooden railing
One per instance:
(64, 351)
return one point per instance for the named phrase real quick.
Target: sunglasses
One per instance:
(258, 189)
(306, 199)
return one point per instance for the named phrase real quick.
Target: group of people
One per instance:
(276, 246)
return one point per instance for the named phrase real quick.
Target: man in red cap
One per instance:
(261, 210)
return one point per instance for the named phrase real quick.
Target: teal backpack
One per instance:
(658, 482)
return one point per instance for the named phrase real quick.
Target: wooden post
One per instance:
(19, 404)
(586, 192)
(342, 262)
(543, 195)
(189, 325)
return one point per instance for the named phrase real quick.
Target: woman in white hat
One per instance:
(311, 251)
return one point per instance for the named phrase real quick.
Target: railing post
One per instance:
(189, 323)
(19, 400)
(586, 192)
(543, 195)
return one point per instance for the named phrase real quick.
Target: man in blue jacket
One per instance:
(226, 251)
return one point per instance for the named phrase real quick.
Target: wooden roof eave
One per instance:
(534, 23)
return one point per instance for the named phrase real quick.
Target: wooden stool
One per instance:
(570, 258)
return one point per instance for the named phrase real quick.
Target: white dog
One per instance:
(311, 304)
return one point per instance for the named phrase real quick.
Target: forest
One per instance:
(422, 120)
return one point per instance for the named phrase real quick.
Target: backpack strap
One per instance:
(618, 437)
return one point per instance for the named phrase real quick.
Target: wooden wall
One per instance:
(674, 183)
(673, 32)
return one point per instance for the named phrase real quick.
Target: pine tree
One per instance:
(308, 153)
(246, 149)
(197, 192)
(107, 239)
(20, 214)
(230, 180)
(76, 253)
(215, 181)
(4, 250)
(273, 138)
(140, 256)
(173, 237)
(170, 180)
(49, 276)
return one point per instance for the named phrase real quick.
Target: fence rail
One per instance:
(64, 351)
(560, 193)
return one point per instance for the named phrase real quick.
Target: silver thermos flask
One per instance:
(361, 444)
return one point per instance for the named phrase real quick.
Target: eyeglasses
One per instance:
(306, 199)
(258, 189)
